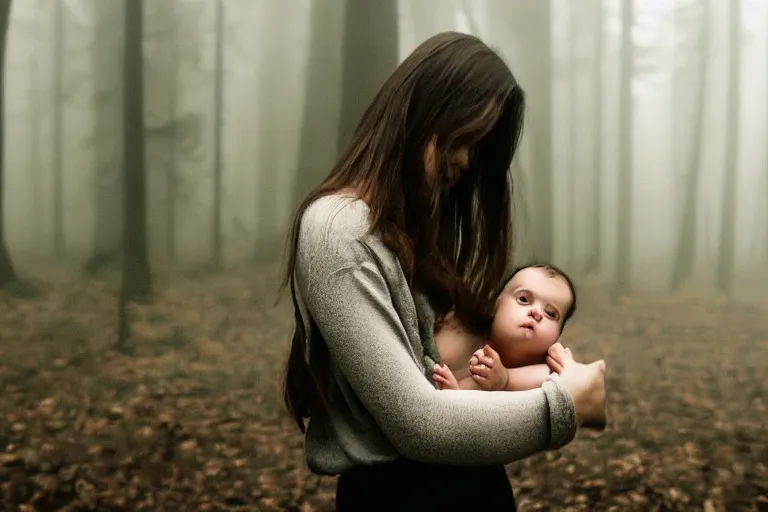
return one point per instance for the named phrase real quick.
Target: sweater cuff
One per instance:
(562, 413)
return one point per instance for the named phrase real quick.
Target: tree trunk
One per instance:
(520, 211)
(269, 236)
(686, 240)
(535, 31)
(58, 130)
(34, 126)
(725, 263)
(593, 260)
(137, 279)
(319, 130)
(107, 134)
(170, 177)
(572, 164)
(216, 237)
(626, 101)
(370, 55)
(529, 26)
(7, 273)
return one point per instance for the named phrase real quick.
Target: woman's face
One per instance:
(458, 163)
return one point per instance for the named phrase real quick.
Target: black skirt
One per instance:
(407, 485)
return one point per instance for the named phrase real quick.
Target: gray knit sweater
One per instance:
(382, 404)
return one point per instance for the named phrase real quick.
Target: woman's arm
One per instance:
(348, 298)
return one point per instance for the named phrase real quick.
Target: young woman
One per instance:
(413, 223)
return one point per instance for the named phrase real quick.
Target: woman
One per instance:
(413, 223)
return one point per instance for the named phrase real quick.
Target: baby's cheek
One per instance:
(502, 325)
(502, 333)
(505, 311)
(550, 336)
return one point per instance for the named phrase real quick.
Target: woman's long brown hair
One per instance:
(452, 242)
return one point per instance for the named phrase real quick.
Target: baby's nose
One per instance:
(535, 313)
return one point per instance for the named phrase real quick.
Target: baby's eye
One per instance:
(522, 299)
(552, 315)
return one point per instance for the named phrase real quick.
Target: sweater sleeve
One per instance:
(349, 300)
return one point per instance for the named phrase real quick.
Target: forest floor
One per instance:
(193, 421)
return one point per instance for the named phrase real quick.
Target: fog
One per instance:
(643, 167)
(64, 88)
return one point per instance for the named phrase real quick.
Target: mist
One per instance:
(63, 95)
(155, 153)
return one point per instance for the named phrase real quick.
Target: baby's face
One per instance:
(529, 315)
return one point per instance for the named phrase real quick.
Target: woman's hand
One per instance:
(584, 382)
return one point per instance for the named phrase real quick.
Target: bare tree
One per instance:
(137, 280)
(136, 277)
(593, 259)
(686, 239)
(519, 177)
(171, 182)
(535, 32)
(107, 134)
(573, 157)
(218, 77)
(624, 222)
(319, 130)
(173, 137)
(58, 129)
(7, 272)
(269, 234)
(529, 25)
(370, 54)
(725, 263)
(34, 118)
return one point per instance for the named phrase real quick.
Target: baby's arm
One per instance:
(519, 379)
(533, 376)
(487, 374)
(491, 375)
(527, 377)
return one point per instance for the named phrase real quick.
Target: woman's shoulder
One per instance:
(334, 233)
(335, 215)
(335, 236)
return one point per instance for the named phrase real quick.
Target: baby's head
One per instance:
(531, 311)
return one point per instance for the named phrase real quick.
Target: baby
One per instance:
(530, 313)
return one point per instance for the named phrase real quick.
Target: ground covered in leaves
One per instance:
(193, 420)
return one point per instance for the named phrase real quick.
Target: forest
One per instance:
(152, 154)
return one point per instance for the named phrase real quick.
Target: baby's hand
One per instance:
(487, 370)
(556, 357)
(444, 377)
